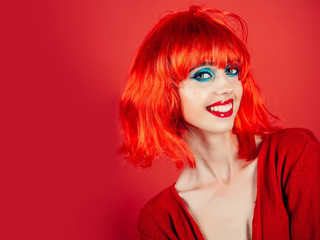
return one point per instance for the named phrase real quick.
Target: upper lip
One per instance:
(223, 102)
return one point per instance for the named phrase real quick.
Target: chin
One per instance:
(221, 129)
(222, 126)
(213, 125)
(216, 128)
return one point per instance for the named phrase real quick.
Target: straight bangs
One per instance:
(198, 41)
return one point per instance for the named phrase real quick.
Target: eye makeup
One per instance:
(203, 75)
(231, 71)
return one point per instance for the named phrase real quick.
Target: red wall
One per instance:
(64, 65)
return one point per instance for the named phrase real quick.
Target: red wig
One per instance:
(150, 109)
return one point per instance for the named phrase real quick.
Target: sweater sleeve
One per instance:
(155, 220)
(302, 191)
(147, 226)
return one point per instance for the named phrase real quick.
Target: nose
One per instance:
(223, 85)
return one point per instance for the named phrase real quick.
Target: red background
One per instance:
(64, 64)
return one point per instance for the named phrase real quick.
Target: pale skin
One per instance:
(220, 192)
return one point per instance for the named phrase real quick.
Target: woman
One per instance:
(190, 96)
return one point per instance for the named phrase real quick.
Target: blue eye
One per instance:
(203, 75)
(231, 71)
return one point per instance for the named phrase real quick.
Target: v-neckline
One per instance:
(255, 210)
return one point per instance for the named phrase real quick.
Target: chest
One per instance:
(223, 212)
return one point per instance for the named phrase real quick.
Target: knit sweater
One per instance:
(288, 195)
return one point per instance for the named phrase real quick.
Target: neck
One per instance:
(215, 154)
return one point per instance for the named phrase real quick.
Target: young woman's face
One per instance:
(210, 98)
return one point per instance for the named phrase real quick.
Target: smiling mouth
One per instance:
(221, 109)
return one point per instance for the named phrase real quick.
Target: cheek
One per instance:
(190, 102)
(193, 93)
(238, 90)
(186, 95)
(186, 99)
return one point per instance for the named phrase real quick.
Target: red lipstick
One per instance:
(221, 109)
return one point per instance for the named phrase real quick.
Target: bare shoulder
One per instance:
(258, 140)
(187, 180)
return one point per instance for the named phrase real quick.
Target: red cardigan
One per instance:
(288, 195)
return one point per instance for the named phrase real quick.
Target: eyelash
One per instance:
(230, 69)
(199, 76)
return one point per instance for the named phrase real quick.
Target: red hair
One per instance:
(150, 109)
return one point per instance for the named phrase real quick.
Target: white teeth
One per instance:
(222, 108)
